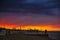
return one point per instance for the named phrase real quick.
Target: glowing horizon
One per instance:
(33, 27)
(30, 14)
(30, 21)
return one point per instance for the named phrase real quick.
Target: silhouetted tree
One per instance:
(1, 29)
(45, 31)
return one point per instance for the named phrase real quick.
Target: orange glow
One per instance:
(28, 27)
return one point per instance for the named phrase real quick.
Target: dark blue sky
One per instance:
(48, 7)
(29, 11)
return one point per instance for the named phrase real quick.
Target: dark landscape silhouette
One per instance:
(25, 35)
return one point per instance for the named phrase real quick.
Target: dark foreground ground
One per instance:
(20, 36)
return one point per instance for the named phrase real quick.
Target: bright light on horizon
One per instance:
(28, 27)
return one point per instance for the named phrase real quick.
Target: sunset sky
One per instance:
(34, 14)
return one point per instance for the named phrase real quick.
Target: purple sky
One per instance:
(29, 12)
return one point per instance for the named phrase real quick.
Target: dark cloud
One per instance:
(47, 7)
(28, 19)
